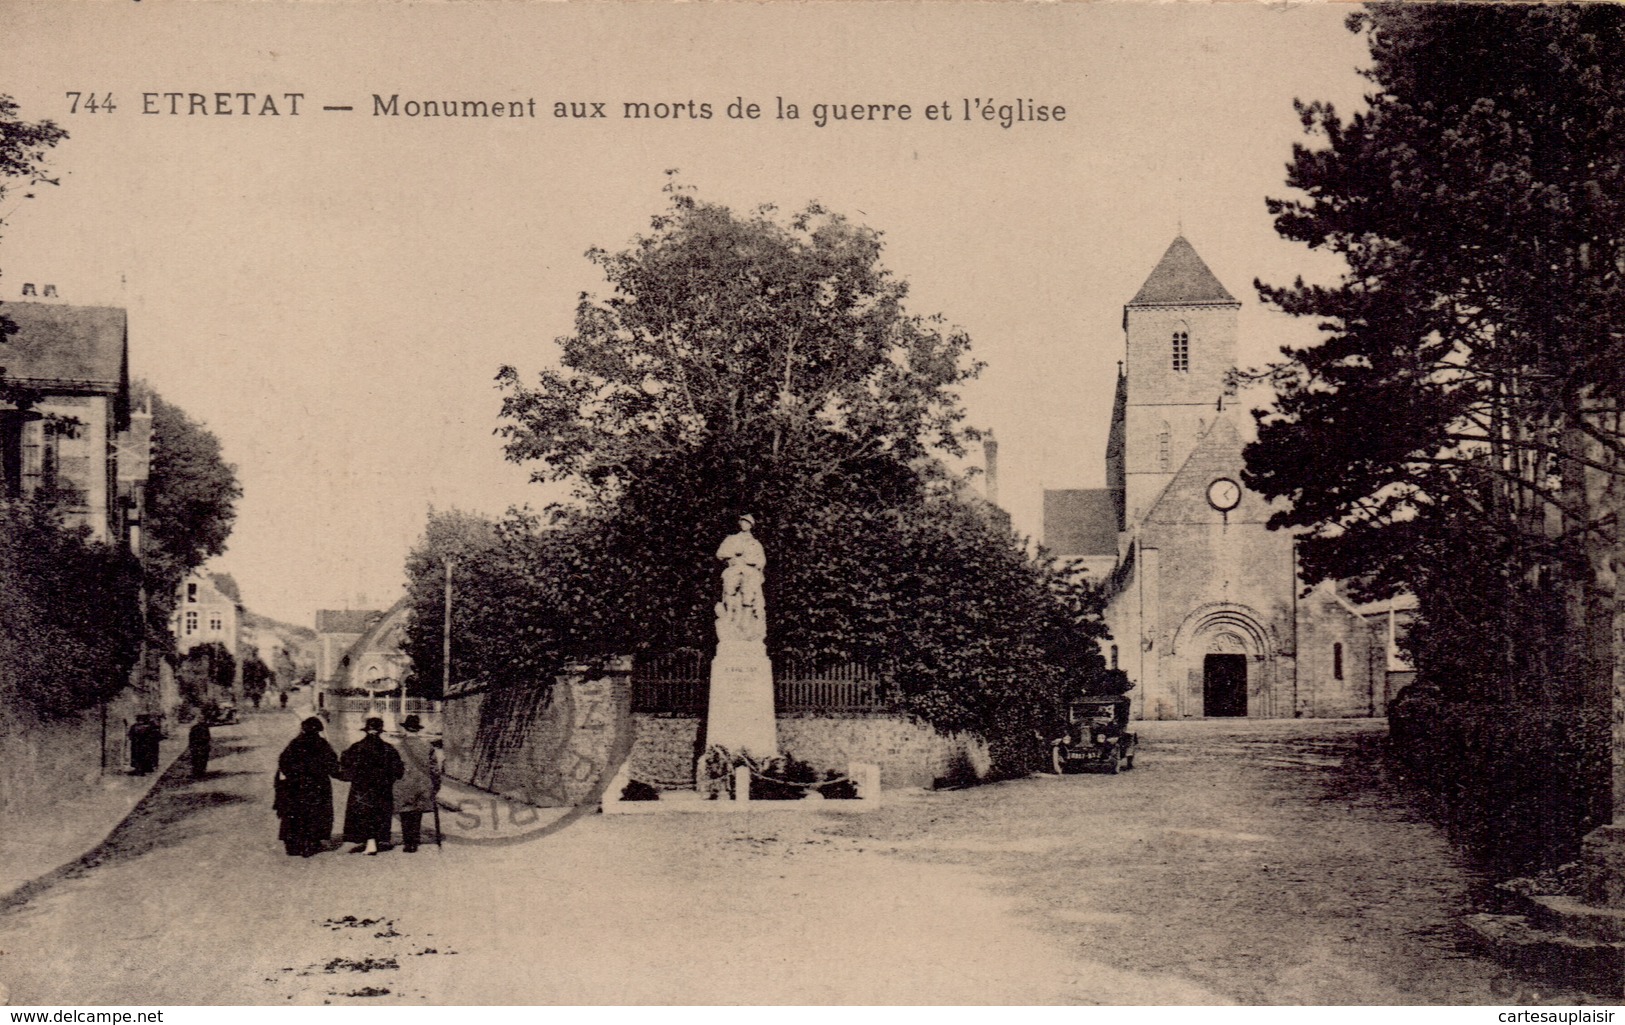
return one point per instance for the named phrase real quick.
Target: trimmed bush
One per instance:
(1521, 784)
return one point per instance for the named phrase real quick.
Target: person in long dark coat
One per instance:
(198, 742)
(304, 791)
(371, 767)
(145, 736)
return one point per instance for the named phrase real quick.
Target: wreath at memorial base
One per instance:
(774, 778)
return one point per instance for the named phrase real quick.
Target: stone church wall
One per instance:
(1342, 669)
(1222, 577)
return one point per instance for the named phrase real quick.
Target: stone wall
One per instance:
(909, 753)
(1342, 660)
(459, 733)
(664, 751)
(550, 747)
(45, 761)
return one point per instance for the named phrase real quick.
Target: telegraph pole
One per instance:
(445, 646)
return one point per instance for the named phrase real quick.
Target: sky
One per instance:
(333, 293)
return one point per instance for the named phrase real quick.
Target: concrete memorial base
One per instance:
(739, 715)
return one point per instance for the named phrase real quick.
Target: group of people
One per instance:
(146, 737)
(385, 780)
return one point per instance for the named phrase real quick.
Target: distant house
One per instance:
(377, 661)
(336, 631)
(72, 435)
(207, 611)
(369, 678)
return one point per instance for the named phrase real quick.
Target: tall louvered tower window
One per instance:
(1182, 351)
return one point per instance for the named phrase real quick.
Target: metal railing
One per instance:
(679, 682)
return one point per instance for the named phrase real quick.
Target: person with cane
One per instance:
(417, 791)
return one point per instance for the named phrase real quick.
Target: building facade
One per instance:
(336, 631)
(66, 426)
(206, 614)
(1207, 612)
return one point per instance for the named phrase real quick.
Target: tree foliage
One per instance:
(23, 156)
(764, 364)
(192, 495)
(257, 676)
(70, 621)
(1461, 402)
(205, 673)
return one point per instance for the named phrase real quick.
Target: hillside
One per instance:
(288, 649)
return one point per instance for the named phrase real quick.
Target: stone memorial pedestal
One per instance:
(739, 714)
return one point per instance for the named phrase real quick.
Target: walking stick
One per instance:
(437, 835)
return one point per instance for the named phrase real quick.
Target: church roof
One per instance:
(1181, 279)
(1080, 522)
(346, 621)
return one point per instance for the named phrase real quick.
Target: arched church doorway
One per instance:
(1226, 660)
(1224, 685)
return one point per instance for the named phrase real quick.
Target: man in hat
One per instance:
(304, 791)
(415, 792)
(371, 767)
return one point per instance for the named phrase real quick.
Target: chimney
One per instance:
(50, 291)
(28, 288)
(990, 460)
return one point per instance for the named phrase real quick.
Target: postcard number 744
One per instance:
(88, 103)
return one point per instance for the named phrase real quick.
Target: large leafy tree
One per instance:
(762, 363)
(192, 495)
(755, 363)
(1461, 404)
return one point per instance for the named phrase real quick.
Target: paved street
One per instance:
(1239, 862)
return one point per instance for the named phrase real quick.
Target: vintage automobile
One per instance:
(224, 714)
(1097, 736)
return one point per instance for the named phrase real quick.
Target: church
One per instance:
(1207, 612)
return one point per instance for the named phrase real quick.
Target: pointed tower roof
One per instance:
(1182, 279)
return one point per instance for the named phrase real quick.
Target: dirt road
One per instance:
(1240, 862)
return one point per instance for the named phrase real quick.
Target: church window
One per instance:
(1182, 351)
(1114, 656)
(1337, 661)
(1165, 449)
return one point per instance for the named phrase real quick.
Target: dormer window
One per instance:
(1182, 351)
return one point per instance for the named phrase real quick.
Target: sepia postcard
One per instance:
(374, 337)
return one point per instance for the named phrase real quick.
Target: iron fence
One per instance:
(679, 682)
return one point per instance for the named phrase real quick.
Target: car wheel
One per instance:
(1111, 764)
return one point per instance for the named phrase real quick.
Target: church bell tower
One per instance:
(1180, 337)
